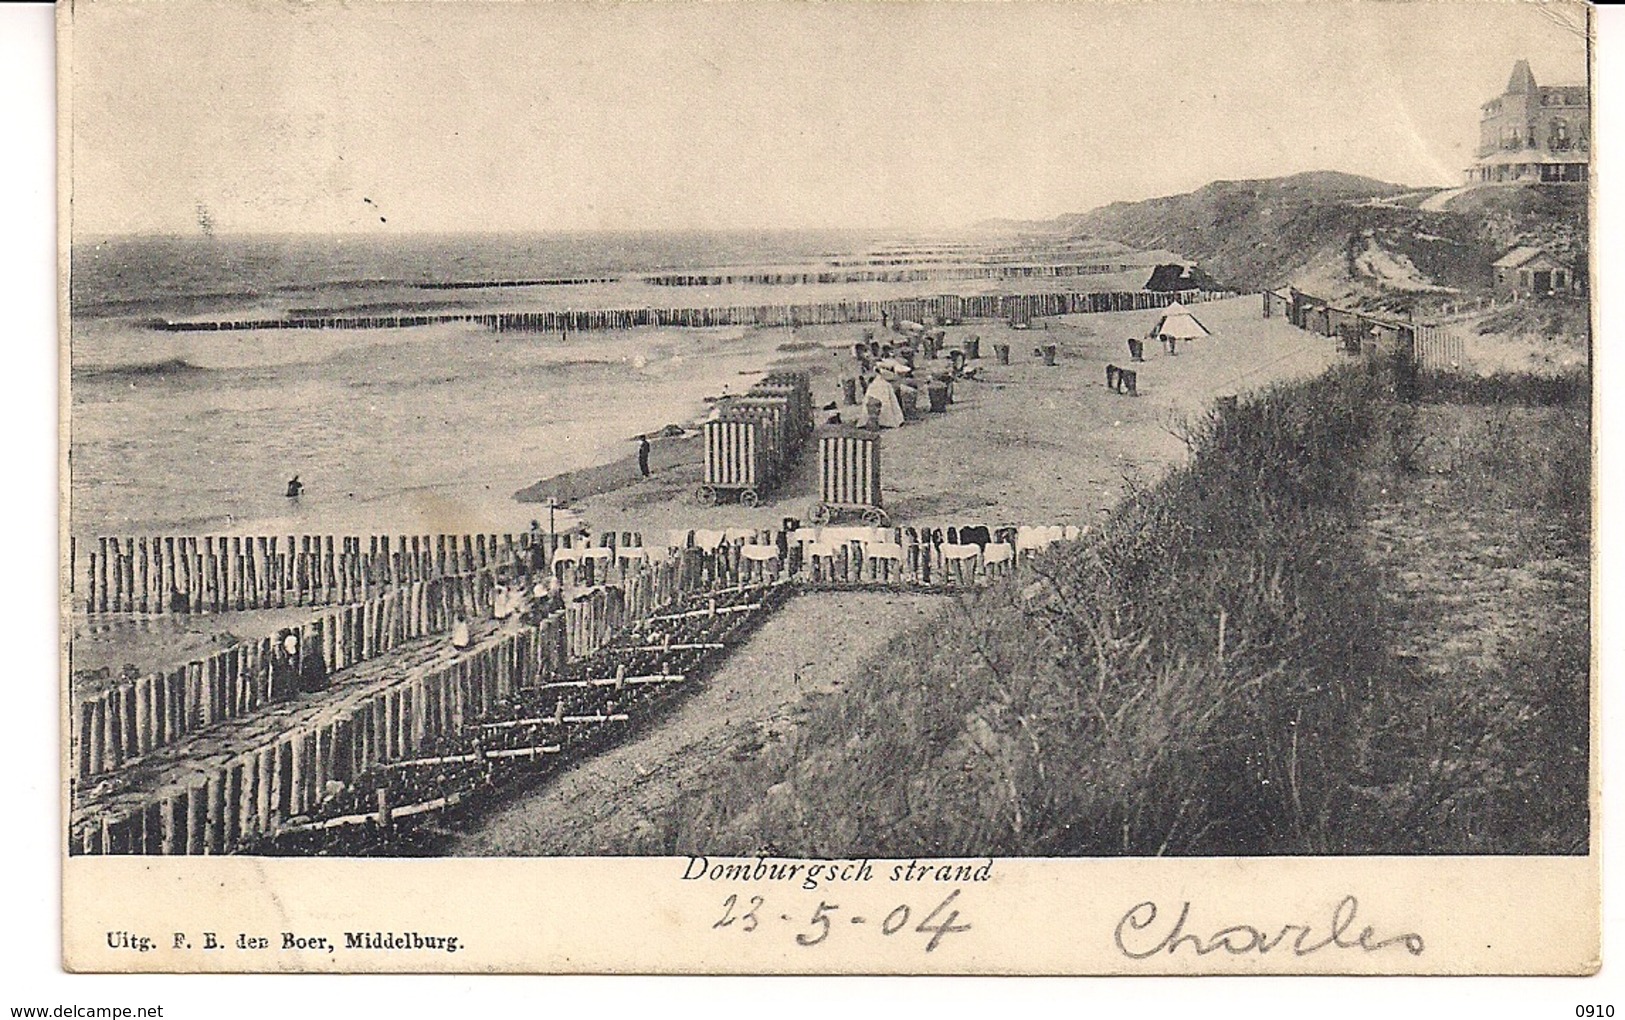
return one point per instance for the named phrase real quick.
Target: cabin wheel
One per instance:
(706, 495)
(749, 497)
(874, 516)
(819, 514)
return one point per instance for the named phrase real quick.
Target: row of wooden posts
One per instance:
(245, 572)
(887, 275)
(265, 788)
(117, 726)
(941, 308)
(218, 573)
(858, 556)
(230, 803)
(134, 717)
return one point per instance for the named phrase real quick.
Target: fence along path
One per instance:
(204, 757)
(942, 308)
(1430, 347)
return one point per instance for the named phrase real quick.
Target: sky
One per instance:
(381, 117)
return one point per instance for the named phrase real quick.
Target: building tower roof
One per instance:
(1522, 80)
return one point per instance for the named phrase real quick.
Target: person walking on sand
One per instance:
(643, 456)
(295, 487)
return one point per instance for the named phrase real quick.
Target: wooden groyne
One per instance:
(605, 587)
(219, 573)
(890, 275)
(214, 797)
(133, 718)
(947, 308)
(203, 793)
(559, 281)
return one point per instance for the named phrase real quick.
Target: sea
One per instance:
(419, 429)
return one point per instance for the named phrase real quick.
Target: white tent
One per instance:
(891, 412)
(1179, 323)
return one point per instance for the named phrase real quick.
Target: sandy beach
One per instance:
(1022, 443)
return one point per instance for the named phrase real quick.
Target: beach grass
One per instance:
(1229, 667)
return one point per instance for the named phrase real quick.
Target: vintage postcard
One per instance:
(974, 488)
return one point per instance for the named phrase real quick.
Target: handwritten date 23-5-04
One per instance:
(749, 914)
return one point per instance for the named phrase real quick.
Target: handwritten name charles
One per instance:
(1137, 935)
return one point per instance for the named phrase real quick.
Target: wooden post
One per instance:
(282, 781)
(248, 799)
(101, 585)
(173, 818)
(143, 715)
(197, 809)
(232, 809)
(392, 726)
(195, 556)
(323, 750)
(296, 776)
(145, 601)
(251, 582)
(175, 705)
(214, 833)
(115, 728)
(263, 790)
(129, 575)
(211, 576)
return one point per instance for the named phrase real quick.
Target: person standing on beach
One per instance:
(295, 487)
(643, 456)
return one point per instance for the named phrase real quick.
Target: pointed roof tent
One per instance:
(1522, 80)
(1178, 322)
(891, 411)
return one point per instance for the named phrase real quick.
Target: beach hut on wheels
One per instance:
(848, 474)
(1177, 323)
(738, 457)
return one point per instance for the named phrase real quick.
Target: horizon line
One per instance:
(981, 224)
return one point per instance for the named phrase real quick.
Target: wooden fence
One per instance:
(1429, 347)
(217, 573)
(248, 793)
(941, 308)
(130, 719)
(622, 582)
(1438, 348)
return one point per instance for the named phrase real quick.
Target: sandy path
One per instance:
(809, 648)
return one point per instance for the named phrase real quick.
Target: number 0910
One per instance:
(1594, 1011)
